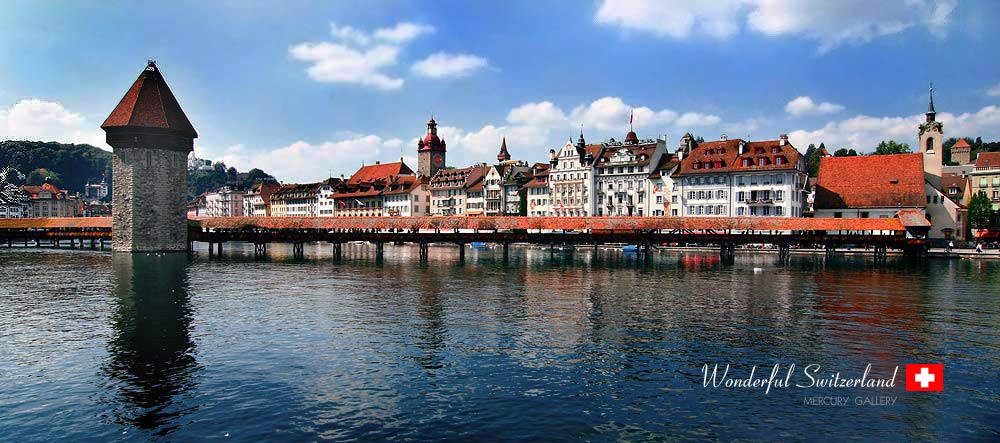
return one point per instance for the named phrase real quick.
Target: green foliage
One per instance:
(42, 176)
(812, 159)
(844, 152)
(891, 147)
(74, 165)
(980, 211)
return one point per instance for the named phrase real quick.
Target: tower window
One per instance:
(930, 144)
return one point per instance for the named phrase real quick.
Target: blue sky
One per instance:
(305, 89)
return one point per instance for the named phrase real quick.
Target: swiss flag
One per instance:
(925, 377)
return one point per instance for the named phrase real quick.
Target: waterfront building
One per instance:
(295, 200)
(49, 201)
(516, 175)
(475, 200)
(621, 176)
(538, 192)
(985, 177)
(224, 202)
(96, 208)
(571, 178)
(407, 195)
(326, 204)
(361, 194)
(257, 201)
(961, 152)
(14, 202)
(875, 186)
(95, 191)
(664, 193)
(740, 178)
(449, 189)
(197, 206)
(956, 187)
(493, 189)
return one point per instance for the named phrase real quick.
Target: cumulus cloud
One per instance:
(358, 57)
(303, 161)
(543, 114)
(403, 32)
(829, 23)
(673, 18)
(994, 91)
(444, 65)
(612, 114)
(35, 119)
(805, 105)
(864, 132)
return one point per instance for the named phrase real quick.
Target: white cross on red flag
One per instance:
(925, 377)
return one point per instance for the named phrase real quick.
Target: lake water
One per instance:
(573, 346)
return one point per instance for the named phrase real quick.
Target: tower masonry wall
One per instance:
(150, 200)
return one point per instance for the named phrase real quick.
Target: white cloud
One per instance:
(805, 105)
(673, 18)
(829, 23)
(612, 114)
(337, 63)
(303, 161)
(39, 120)
(443, 65)
(353, 59)
(994, 91)
(403, 32)
(543, 114)
(864, 132)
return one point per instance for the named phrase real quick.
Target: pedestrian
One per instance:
(951, 245)
(979, 247)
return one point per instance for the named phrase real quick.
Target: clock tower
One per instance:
(431, 151)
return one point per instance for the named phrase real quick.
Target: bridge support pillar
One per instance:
(784, 253)
(423, 251)
(259, 250)
(506, 251)
(379, 250)
(461, 251)
(830, 250)
(881, 252)
(298, 250)
(38, 243)
(727, 252)
(338, 250)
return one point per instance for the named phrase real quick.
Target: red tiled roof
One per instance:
(871, 181)
(33, 191)
(150, 104)
(379, 171)
(724, 156)
(950, 180)
(961, 143)
(577, 223)
(912, 218)
(55, 222)
(988, 160)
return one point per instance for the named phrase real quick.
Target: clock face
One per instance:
(438, 160)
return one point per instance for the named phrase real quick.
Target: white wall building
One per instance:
(571, 179)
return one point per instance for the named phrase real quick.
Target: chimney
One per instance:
(724, 137)
(784, 139)
(377, 162)
(680, 154)
(743, 147)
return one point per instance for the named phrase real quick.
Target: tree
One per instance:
(980, 211)
(42, 176)
(812, 160)
(844, 152)
(256, 175)
(891, 147)
(232, 175)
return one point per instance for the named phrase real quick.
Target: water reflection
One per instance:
(151, 355)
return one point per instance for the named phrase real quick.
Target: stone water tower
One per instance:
(151, 138)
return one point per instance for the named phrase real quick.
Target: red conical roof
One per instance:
(150, 104)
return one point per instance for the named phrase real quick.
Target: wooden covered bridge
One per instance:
(903, 233)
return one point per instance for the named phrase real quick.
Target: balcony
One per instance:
(760, 202)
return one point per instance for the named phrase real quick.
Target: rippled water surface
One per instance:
(574, 346)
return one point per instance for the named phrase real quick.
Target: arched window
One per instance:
(930, 144)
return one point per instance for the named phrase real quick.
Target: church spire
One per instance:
(930, 105)
(503, 155)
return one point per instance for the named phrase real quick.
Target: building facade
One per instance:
(621, 176)
(571, 179)
(537, 192)
(985, 177)
(49, 201)
(740, 178)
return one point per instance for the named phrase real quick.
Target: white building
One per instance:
(571, 179)
(257, 201)
(664, 193)
(741, 178)
(621, 176)
(407, 196)
(295, 200)
(14, 202)
(450, 187)
(493, 189)
(224, 202)
(538, 192)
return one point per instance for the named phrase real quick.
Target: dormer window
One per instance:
(762, 161)
(709, 152)
(775, 149)
(746, 162)
(697, 165)
(780, 160)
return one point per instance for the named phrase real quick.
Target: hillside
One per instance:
(71, 166)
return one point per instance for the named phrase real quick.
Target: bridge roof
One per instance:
(558, 223)
(549, 223)
(55, 223)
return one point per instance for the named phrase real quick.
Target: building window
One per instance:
(838, 215)
(753, 179)
(740, 211)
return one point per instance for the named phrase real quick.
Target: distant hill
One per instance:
(71, 166)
